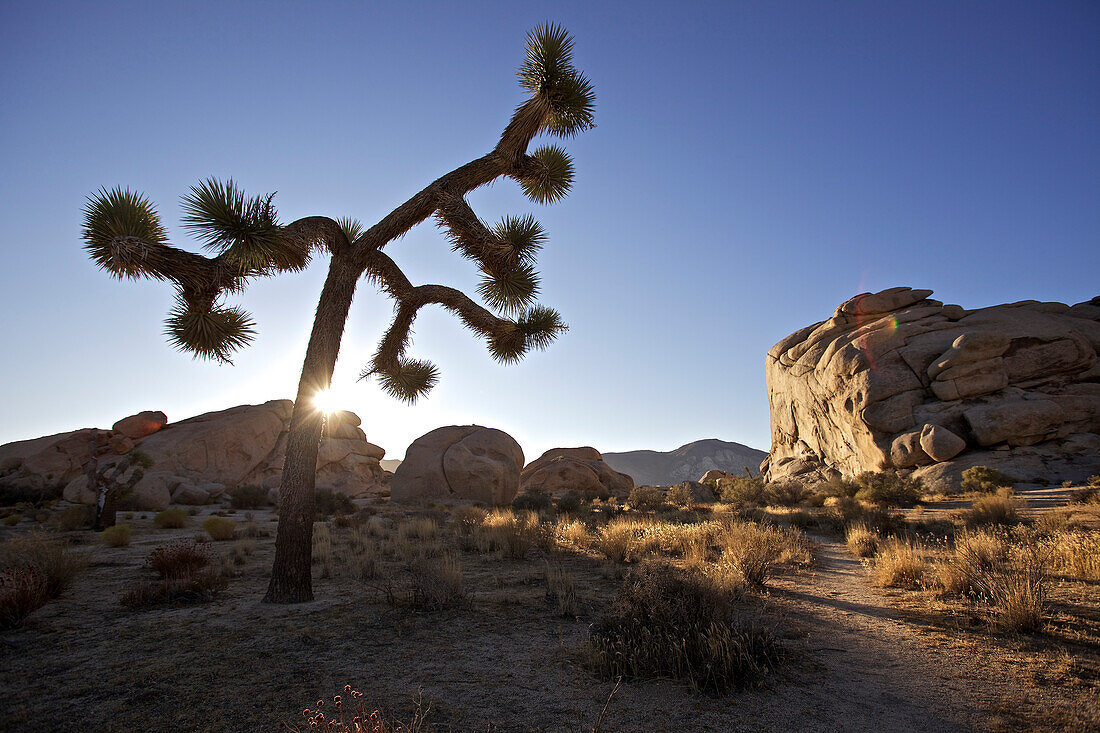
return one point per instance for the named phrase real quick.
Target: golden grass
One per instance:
(220, 529)
(117, 536)
(862, 540)
(900, 563)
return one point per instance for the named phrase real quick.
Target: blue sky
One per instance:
(754, 165)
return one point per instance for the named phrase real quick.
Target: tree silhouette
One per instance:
(123, 235)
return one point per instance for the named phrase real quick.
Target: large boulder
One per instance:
(459, 463)
(140, 425)
(228, 448)
(583, 470)
(896, 380)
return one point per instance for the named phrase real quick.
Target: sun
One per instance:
(327, 401)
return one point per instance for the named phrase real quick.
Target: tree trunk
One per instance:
(291, 574)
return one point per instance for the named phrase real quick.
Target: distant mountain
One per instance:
(686, 463)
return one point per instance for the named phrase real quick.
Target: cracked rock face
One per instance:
(459, 463)
(896, 380)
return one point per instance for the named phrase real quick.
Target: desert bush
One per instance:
(862, 540)
(172, 518)
(220, 529)
(667, 623)
(1088, 495)
(464, 523)
(13, 519)
(140, 459)
(625, 538)
(561, 591)
(22, 592)
(785, 494)
(992, 509)
(532, 501)
(841, 486)
(984, 480)
(327, 502)
(1094, 481)
(680, 495)
(322, 548)
(508, 532)
(242, 550)
(51, 556)
(572, 533)
(899, 563)
(753, 549)
(435, 583)
(351, 714)
(117, 536)
(194, 586)
(645, 498)
(569, 503)
(741, 491)
(75, 517)
(888, 489)
(974, 554)
(361, 556)
(179, 558)
(248, 497)
(1014, 585)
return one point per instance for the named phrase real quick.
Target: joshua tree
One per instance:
(123, 235)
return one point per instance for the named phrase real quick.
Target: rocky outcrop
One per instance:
(140, 425)
(583, 470)
(686, 463)
(896, 380)
(459, 463)
(199, 459)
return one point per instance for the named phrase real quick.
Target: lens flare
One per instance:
(327, 401)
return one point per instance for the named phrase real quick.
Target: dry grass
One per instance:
(625, 538)
(322, 549)
(561, 591)
(1074, 554)
(572, 533)
(900, 563)
(351, 714)
(220, 529)
(862, 540)
(435, 583)
(172, 518)
(188, 573)
(117, 536)
(754, 549)
(509, 533)
(51, 556)
(994, 509)
(22, 592)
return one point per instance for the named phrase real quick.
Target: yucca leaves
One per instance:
(548, 74)
(523, 234)
(208, 333)
(352, 228)
(409, 380)
(511, 290)
(119, 224)
(540, 325)
(550, 177)
(246, 230)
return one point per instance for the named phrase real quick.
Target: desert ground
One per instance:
(444, 620)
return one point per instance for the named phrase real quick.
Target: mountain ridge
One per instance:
(686, 463)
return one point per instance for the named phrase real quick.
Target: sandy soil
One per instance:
(856, 659)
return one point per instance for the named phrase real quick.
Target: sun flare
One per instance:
(327, 401)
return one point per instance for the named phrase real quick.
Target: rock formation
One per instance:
(895, 380)
(686, 463)
(583, 470)
(198, 459)
(459, 463)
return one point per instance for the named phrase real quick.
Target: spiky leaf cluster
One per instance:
(549, 75)
(510, 289)
(115, 222)
(409, 380)
(352, 228)
(213, 332)
(243, 229)
(523, 235)
(549, 176)
(535, 328)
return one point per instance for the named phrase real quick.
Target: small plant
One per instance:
(220, 529)
(645, 498)
(179, 558)
(172, 518)
(140, 459)
(888, 489)
(435, 583)
(75, 517)
(862, 540)
(984, 480)
(754, 549)
(248, 497)
(1094, 481)
(572, 533)
(242, 550)
(898, 564)
(510, 533)
(561, 591)
(350, 714)
(532, 501)
(785, 494)
(22, 592)
(680, 495)
(13, 519)
(667, 623)
(50, 555)
(188, 573)
(569, 503)
(621, 539)
(327, 502)
(993, 509)
(117, 536)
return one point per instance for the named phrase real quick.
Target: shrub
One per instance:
(327, 502)
(22, 592)
(464, 522)
(435, 583)
(194, 586)
(220, 529)
(898, 564)
(1075, 554)
(1089, 495)
(624, 538)
(841, 486)
(752, 549)
(645, 498)
(510, 533)
(75, 517)
(569, 503)
(991, 510)
(117, 536)
(561, 591)
(862, 540)
(984, 479)
(572, 533)
(888, 489)
(785, 494)
(140, 459)
(179, 558)
(680, 495)
(532, 501)
(666, 623)
(13, 519)
(1094, 481)
(172, 518)
(351, 714)
(248, 497)
(741, 491)
(1013, 584)
(51, 556)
